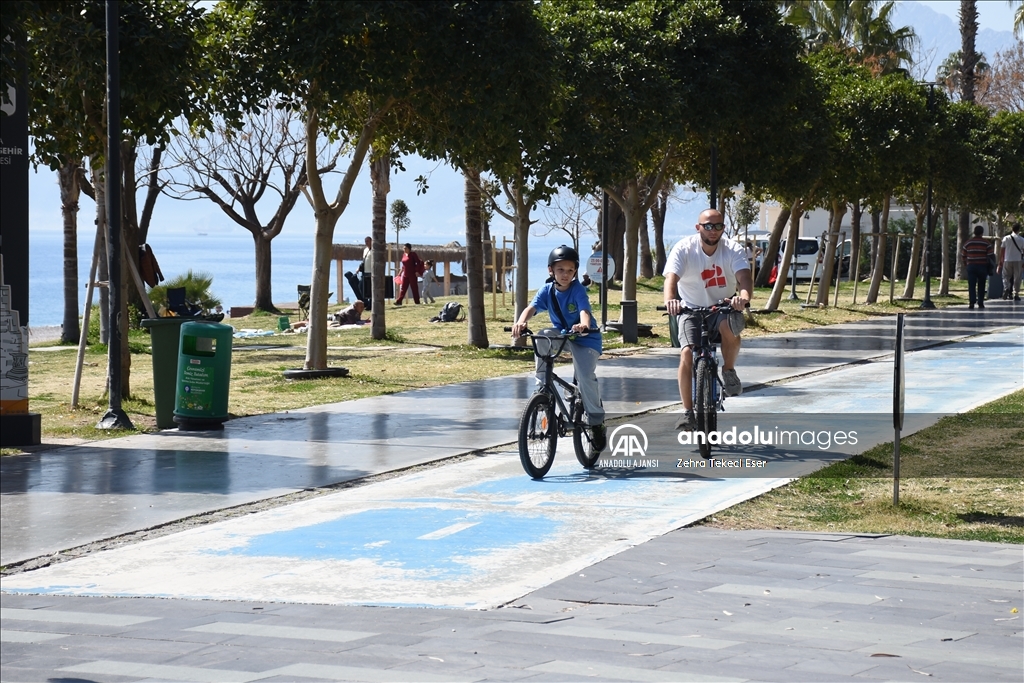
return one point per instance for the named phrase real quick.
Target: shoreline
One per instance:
(38, 334)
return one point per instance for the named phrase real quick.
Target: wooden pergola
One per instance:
(447, 254)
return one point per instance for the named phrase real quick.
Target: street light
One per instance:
(926, 303)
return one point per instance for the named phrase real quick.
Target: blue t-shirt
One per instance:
(570, 302)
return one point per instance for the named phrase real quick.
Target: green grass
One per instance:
(979, 495)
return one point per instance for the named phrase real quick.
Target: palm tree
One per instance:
(1018, 16)
(949, 72)
(854, 26)
(880, 45)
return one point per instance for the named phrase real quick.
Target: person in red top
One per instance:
(412, 268)
(975, 252)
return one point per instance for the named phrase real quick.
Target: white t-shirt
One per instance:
(705, 280)
(1011, 253)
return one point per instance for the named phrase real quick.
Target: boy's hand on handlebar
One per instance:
(580, 328)
(518, 329)
(674, 306)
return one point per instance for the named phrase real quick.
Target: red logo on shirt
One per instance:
(713, 277)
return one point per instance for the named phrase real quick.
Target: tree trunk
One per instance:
(876, 229)
(129, 228)
(854, 270)
(944, 284)
(522, 237)
(69, 193)
(920, 213)
(264, 264)
(771, 255)
(326, 216)
(658, 212)
(477, 332)
(795, 214)
(632, 210)
(646, 261)
(879, 268)
(968, 55)
(152, 192)
(100, 189)
(963, 233)
(616, 238)
(380, 181)
(828, 265)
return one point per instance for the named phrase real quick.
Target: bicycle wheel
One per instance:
(538, 435)
(582, 437)
(704, 403)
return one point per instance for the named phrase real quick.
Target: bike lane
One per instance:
(68, 497)
(479, 533)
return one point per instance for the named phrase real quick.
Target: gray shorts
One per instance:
(689, 326)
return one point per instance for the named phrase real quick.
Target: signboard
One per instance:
(595, 266)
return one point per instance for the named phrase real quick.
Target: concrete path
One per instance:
(55, 500)
(692, 605)
(573, 589)
(480, 533)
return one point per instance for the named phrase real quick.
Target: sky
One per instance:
(992, 14)
(437, 216)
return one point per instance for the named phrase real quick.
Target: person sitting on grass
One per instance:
(353, 315)
(568, 306)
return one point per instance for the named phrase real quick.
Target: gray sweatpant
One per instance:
(584, 363)
(1011, 277)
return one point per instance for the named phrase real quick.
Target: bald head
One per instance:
(711, 216)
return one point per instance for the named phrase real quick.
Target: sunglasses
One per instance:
(717, 227)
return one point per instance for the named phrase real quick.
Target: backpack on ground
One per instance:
(451, 313)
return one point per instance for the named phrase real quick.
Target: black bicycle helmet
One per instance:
(563, 253)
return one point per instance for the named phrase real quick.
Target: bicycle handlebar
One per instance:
(561, 333)
(719, 306)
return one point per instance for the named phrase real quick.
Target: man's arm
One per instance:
(745, 284)
(671, 294)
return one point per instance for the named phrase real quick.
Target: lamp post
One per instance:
(926, 303)
(115, 417)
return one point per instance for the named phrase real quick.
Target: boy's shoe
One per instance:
(731, 384)
(686, 421)
(598, 438)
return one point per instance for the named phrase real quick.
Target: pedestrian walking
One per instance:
(412, 269)
(1012, 263)
(429, 278)
(975, 252)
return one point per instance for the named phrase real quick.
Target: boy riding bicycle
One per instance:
(568, 306)
(702, 270)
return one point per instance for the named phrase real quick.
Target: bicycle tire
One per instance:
(582, 438)
(704, 403)
(538, 436)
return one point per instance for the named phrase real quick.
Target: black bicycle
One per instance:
(708, 397)
(547, 416)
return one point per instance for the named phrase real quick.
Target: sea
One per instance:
(229, 257)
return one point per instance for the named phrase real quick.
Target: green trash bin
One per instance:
(164, 334)
(204, 375)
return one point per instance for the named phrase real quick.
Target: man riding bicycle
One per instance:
(568, 306)
(702, 270)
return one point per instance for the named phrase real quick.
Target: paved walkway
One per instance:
(67, 497)
(587, 594)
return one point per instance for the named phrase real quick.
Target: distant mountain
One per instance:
(939, 35)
